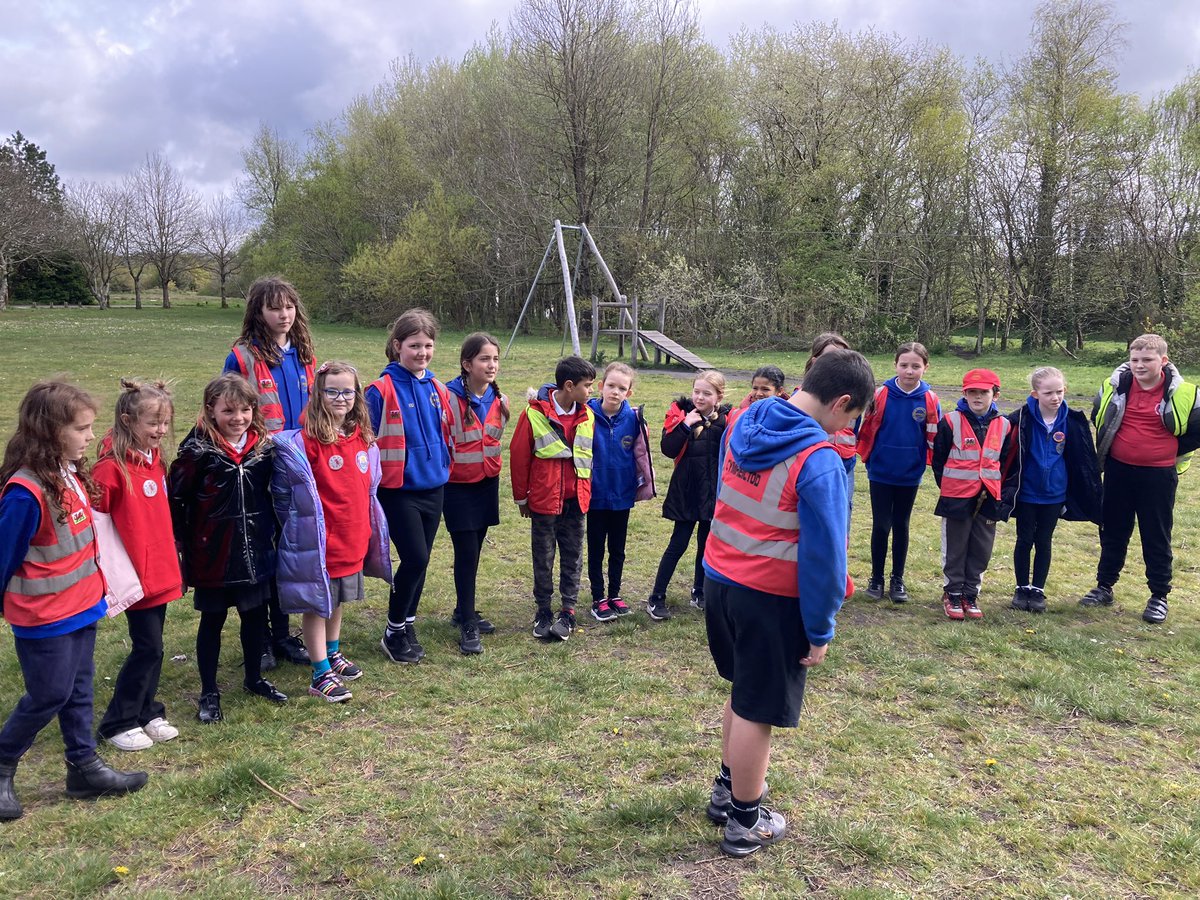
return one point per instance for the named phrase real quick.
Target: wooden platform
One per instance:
(676, 351)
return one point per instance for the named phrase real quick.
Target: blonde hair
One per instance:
(318, 420)
(621, 368)
(1155, 342)
(413, 321)
(135, 398)
(715, 378)
(234, 387)
(1037, 376)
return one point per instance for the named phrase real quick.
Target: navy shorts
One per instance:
(757, 641)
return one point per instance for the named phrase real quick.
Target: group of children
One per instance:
(295, 479)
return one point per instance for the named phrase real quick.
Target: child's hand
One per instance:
(816, 655)
(692, 418)
(526, 512)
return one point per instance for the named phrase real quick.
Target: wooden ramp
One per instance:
(668, 347)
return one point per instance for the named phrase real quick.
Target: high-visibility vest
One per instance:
(872, 421)
(258, 373)
(845, 442)
(969, 464)
(549, 444)
(60, 575)
(755, 534)
(1176, 412)
(390, 436)
(476, 453)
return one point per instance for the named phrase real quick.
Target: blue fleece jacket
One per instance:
(20, 516)
(290, 380)
(899, 454)
(766, 434)
(480, 406)
(427, 460)
(1044, 468)
(614, 472)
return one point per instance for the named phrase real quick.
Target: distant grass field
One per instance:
(1052, 756)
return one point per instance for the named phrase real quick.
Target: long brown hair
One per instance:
(318, 422)
(233, 386)
(47, 408)
(472, 346)
(823, 342)
(272, 293)
(413, 321)
(135, 399)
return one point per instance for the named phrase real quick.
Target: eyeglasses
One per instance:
(334, 394)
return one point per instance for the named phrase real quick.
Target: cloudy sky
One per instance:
(99, 83)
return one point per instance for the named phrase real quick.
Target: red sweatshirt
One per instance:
(343, 480)
(142, 516)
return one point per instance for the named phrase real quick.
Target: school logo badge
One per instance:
(1060, 441)
(918, 414)
(627, 442)
(336, 462)
(150, 488)
(360, 460)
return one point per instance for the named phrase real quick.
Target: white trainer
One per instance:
(133, 739)
(159, 730)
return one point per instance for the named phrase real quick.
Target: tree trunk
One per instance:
(166, 291)
(137, 292)
(3, 283)
(224, 298)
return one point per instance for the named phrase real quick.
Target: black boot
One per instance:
(94, 779)
(10, 806)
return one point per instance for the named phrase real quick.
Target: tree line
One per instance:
(800, 181)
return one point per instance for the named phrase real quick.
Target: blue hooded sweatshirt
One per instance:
(427, 460)
(614, 472)
(1044, 468)
(290, 381)
(766, 434)
(899, 454)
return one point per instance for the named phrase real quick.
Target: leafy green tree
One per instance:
(30, 207)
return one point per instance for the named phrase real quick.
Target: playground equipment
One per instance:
(628, 310)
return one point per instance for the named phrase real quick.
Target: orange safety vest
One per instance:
(872, 421)
(845, 442)
(60, 576)
(968, 464)
(476, 453)
(755, 534)
(390, 435)
(268, 391)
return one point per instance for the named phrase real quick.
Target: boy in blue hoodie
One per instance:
(408, 408)
(622, 474)
(775, 569)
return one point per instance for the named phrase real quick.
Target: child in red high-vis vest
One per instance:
(409, 413)
(478, 414)
(133, 491)
(52, 587)
(845, 442)
(971, 455)
(275, 354)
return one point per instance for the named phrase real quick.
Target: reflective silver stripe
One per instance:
(988, 453)
(549, 439)
(583, 463)
(473, 457)
(767, 509)
(40, 587)
(961, 474)
(582, 442)
(844, 439)
(491, 449)
(67, 544)
(391, 455)
(494, 431)
(784, 550)
(968, 455)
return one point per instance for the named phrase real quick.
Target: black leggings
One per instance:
(468, 545)
(606, 526)
(208, 645)
(681, 536)
(891, 508)
(413, 518)
(1035, 533)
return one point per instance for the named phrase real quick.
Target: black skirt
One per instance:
(472, 507)
(243, 596)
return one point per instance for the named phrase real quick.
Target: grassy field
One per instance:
(1052, 756)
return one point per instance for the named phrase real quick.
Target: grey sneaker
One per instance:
(740, 841)
(897, 593)
(1097, 596)
(720, 801)
(875, 588)
(564, 624)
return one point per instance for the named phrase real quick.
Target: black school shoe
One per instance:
(1097, 596)
(266, 690)
(210, 709)
(468, 641)
(897, 593)
(410, 629)
(484, 626)
(397, 647)
(10, 806)
(94, 779)
(292, 649)
(1156, 611)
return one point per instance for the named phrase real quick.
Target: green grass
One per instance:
(1019, 756)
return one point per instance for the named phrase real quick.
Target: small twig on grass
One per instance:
(284, 797)
(711, 859)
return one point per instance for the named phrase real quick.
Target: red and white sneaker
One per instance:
(953, 605)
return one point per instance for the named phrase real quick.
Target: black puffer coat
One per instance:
(692, 494)
(222, 513)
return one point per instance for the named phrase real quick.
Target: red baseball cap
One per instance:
(984, 379)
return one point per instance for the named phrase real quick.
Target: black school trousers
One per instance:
(1145, 494)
